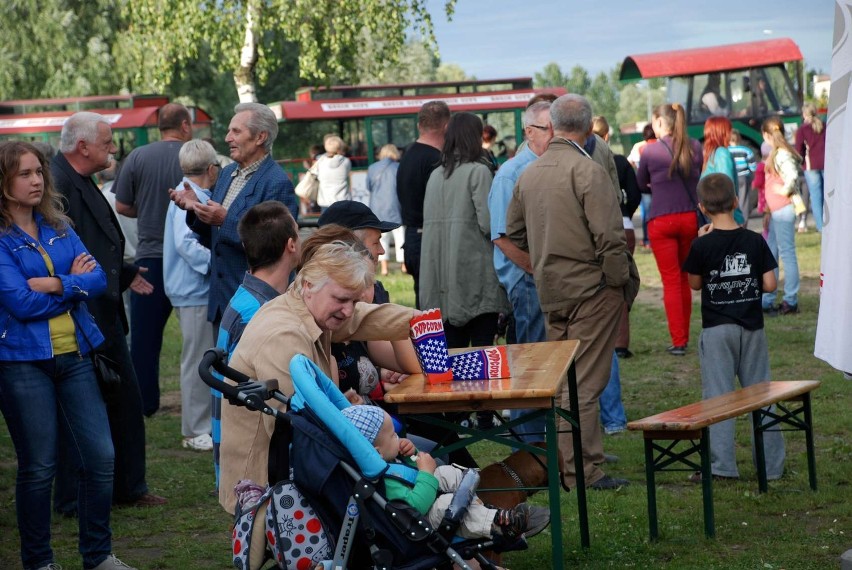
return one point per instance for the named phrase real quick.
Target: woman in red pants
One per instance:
(669, 171)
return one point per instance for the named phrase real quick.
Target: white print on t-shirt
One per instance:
(736, 264)
(728, 287)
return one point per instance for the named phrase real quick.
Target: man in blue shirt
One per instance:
(513, 266)
(263, 230)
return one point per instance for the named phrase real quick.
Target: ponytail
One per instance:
(674, 118)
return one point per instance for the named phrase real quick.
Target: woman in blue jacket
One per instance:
(47, 382)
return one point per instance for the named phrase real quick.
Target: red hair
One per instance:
(717, 133)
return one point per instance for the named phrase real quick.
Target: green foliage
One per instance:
(328, 35)
(57, 48)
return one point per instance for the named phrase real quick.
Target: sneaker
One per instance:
(51, 566)
(614, 429)
(677, 350)
(201, 442)
(788, 309)
(607, 483)
(622, 352)
(112, 563)
(524, 519)
(610, 458)
(771, 311)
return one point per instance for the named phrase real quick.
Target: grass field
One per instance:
(789, 527)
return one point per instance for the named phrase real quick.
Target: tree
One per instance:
(604, 95)
(550, 76)
(55, 48)
(245, 36)
(635, 100)
(578, 81)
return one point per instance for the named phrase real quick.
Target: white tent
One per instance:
(834, 327)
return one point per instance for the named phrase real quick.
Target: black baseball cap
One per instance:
(355, 216)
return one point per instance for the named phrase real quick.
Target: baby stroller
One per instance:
(335, 474)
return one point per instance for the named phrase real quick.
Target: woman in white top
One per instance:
(333, 173)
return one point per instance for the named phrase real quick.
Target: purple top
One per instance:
(669, 194)
(811, 147)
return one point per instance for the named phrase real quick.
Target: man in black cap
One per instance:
(365, 225)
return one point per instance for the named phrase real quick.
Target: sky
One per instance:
(493, 39)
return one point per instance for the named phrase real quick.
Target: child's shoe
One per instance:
(524, 519)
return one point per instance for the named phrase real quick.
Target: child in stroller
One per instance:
(432, 491)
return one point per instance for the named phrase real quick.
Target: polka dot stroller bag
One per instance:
(292, 534)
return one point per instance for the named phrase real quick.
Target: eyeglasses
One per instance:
(540, 127)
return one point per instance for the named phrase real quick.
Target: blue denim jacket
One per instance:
(24, 313)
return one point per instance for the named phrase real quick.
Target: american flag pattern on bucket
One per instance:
(484, 364)
(430, 344)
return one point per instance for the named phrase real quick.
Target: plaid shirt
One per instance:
(239, 179)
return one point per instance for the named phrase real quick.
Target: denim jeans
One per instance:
(782, 243)
(612, 410)
(40, 400)
(127, 425)
(148, 317)
(814, 178)
(529, 327)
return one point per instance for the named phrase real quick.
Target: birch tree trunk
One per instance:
(244, 76)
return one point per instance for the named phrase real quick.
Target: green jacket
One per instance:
(421, 496)
(457, 271)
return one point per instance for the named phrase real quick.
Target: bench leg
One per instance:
(759, 453)
(652, 489)
(707, 484)
(809, 439)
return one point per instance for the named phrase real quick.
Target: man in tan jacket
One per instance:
(565, 213)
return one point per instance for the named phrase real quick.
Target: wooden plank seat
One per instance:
(685, 433)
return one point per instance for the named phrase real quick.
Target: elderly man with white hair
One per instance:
(254, 177)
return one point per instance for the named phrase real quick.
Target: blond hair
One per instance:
(389, 151)
(337, 261)
(810, 116)
(774, 127)
(333, 145)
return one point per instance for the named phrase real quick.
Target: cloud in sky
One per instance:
(507, 38)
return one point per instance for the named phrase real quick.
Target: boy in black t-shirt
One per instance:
(732, 266)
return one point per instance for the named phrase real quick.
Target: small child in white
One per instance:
(732, 267)
(432, 491)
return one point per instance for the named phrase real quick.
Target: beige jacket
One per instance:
(281, 329)
(564, 212)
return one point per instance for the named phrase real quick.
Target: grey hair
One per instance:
(196, 156)
(81, 126)
(571, 114)
(262, 120)
(533, 111)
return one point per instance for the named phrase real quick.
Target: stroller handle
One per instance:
(248, 392)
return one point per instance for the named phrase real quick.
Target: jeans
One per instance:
(41, 400)
(127, 426)
(612, 409)
(814, 178)
(671, 237)
(645, 209)
(529, 327)
(148, 317)
(782, 243)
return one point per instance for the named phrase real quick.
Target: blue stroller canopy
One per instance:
(316, 391)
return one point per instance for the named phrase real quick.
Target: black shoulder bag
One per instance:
(107, 370)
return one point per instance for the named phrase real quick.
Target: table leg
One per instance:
(580, 473)
(650, 477)
(809, 439)
(707, 484)
(554, 488)
(759, 453)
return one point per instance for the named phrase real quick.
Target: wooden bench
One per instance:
(691, 424)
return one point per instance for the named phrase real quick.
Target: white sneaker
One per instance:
(51, 566)
(201, 442)
(112, 563)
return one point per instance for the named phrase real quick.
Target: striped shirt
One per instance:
(239, 179)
